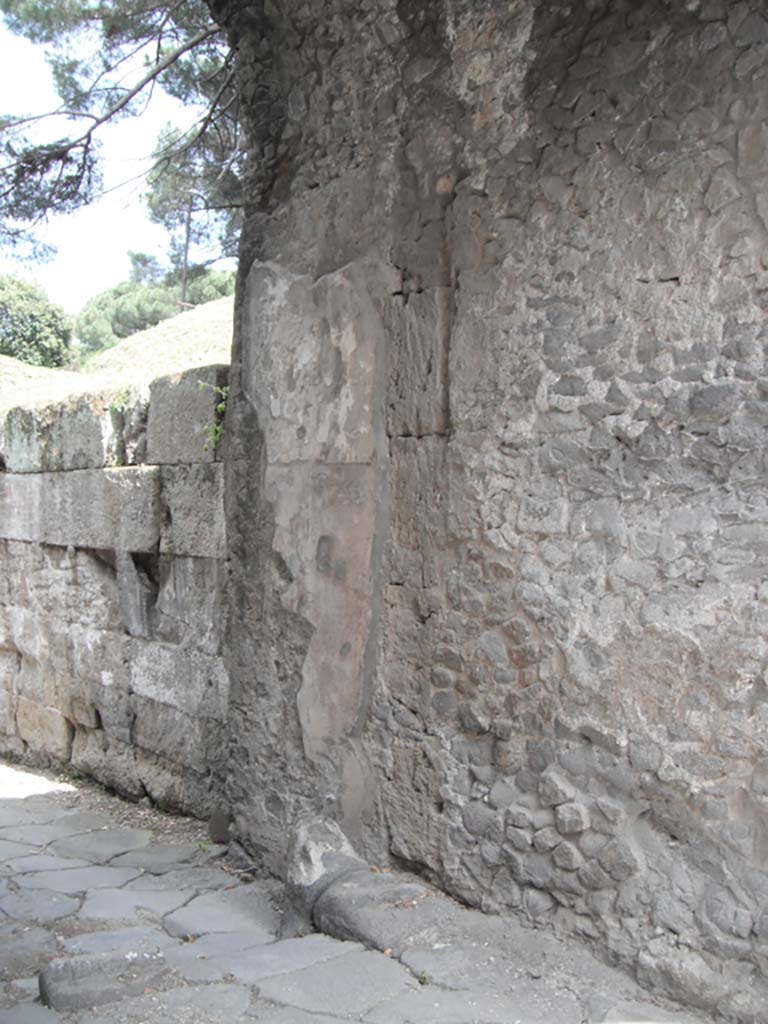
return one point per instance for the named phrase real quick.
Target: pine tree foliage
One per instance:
(106, 59)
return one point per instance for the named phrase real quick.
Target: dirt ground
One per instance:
(77, 793)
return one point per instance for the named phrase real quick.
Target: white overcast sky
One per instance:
(92, 243)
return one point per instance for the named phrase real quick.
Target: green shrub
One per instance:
(32, 328)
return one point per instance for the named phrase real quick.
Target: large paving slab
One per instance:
(352, 986)
(135, 906)
(100, 847)
(142, 939)
(10, 849)
(182, 878)
(214, 946)
(457, 966)
(63, 827)
(252, 963)
(430, 1005)
(29, 1013)
(38, 905)
(30, 810)
(74, 880)
(157, 858)
(246, 907)
(39, 862)
(209, 1004)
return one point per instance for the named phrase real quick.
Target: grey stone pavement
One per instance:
(103, 924)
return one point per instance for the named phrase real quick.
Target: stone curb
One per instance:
(395, 912)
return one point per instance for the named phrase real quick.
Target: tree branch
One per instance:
(151, 75)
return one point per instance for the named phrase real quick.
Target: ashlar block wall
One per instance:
(112, 543)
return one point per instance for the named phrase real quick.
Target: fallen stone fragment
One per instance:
(318, 855)
(679, 973)
(355, 984)
(219, 825)
(25, 989)
(86, 981)
(246, 907)
(99, 847)
(24, 950)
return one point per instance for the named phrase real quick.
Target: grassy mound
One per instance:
(198, 337)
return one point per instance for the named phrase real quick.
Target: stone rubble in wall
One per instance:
(573, 578)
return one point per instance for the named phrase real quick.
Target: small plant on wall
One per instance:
(214, 431)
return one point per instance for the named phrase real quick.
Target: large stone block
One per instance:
(189, 681)
(182, 411)
(193, 503)
(189, 608)
(186, 740)
(87, 432)
(100, 657)
(324, 531)
(44, 729)
(172, 784)
(65, 584)
(106, 759)
(99, 508)
(170, 598)
(313, 364)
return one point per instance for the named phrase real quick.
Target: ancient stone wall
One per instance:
(112, 548)
(494, 482)
(499, 498)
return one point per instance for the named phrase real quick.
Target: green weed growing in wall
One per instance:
(121, 401)
(215, 430)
